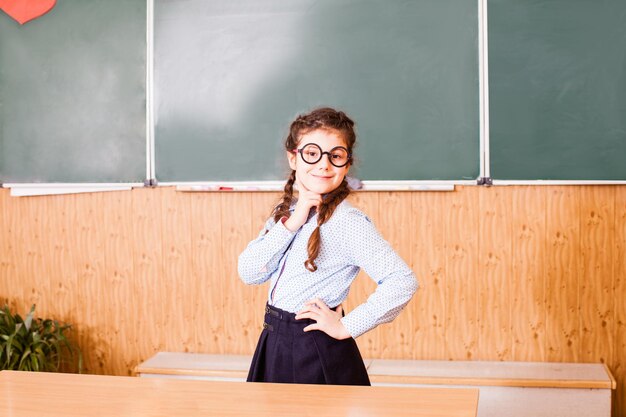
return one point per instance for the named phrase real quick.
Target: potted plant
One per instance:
(35, 344)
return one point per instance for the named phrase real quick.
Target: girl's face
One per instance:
(321, 177)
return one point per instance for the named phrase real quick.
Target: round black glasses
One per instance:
(311, 153)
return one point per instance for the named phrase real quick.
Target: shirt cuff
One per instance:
(356, 324)
(279, 233)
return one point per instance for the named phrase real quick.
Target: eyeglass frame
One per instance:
(330, 159)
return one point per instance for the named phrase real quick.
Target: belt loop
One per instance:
(273, 312)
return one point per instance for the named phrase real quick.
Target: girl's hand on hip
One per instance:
(328, 321)
(307, 199)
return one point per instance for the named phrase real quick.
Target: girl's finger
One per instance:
(313, 196)
(307, 315)
(303, 311)
(309, 306)
(310, 327)
(313, 202)
(320, 304)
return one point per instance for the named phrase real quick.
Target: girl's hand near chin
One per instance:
(307, 199)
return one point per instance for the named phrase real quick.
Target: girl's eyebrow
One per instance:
(320, 146)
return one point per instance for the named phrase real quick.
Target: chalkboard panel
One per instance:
(231, 75)
(72, 94)
(557, 80)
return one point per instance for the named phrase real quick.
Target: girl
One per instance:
(311, 249)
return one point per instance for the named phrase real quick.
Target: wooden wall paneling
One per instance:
(394, 222)
(241, 330)
(26, 222)
(562, 273)
(5, 247)
(118, 247)
(12, 257)
(206, 258)
(13, 253)
(180, 332)
(461, 230)
(45, 225)
(618, 365)
(68, 288)
(262, 206)
(528, 278)
(428, 258)
(363, 285)
(149, 308)
(263, 203)
(596, 279)
(7, 267)
(494, 279)
(24, 255)
(18, 225)
(87, 244)
(56, 291)
(97, 260)
(59, 227)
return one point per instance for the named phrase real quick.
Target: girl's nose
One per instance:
(325, 161)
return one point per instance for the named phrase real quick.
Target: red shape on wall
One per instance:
(25, 10)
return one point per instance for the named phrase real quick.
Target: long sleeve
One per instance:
(261, 257)
(366, 248)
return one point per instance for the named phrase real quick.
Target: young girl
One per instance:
(311, 249)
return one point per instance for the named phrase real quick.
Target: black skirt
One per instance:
(286, 353)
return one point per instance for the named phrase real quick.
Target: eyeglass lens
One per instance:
(312, 153)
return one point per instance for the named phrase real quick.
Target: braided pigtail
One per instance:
(326, 210)
(283, 208)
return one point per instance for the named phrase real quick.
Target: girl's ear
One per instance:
(291, 157)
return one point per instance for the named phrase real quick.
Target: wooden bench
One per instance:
(513, 389)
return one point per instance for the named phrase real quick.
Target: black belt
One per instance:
(272, 312)
(269, 310)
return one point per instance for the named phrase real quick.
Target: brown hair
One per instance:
(324, 118)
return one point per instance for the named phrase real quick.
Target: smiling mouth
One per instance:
(321, 177)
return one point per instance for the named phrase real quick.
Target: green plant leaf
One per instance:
(25, 357)
(35, 344)
(29, 317)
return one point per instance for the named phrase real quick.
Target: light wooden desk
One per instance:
(511, 389)
(26, 394)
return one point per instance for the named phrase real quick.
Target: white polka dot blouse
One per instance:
(349, 242)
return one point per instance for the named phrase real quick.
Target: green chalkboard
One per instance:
(73, 95)
(230, 76)
(557, 81)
